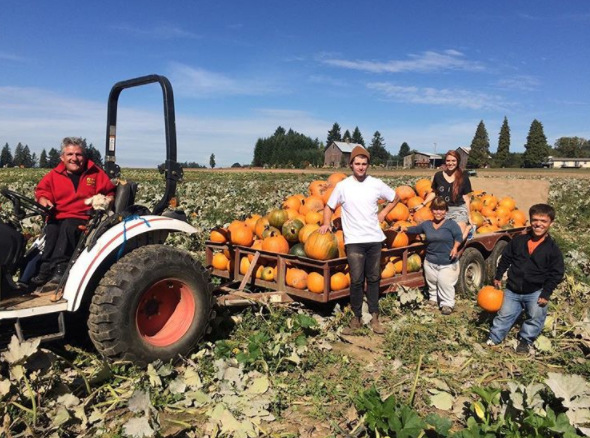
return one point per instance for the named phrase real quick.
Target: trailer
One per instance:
(478, 262)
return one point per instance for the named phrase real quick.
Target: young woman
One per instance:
(453, 185)
(441, 265)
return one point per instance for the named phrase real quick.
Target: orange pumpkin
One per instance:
(489, 201)
(251, 221)
(424, 214)
(276, 244)
(244, 265)
(518, 216)
(242, 235)
(234, 225)
(314, 217)
(338, 281)
(292, 202)
(477, 218)
(476, 204)
(315, 282)
(256, 245)
(398, 213)
(292, 214)
(490, 299)
(335, 178)
(261, 224)
(423, 187)
(388, 271)
(321, 246)
(296, 278)
(220, 261)
(508, 203)
(404, 193)
(396, 239)
(311, 203)
(306, 231)
(488, 211)
(397, 264)
(218, 235)
(327, 193)
(316, 188)
(414, 201)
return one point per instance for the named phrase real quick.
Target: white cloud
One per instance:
(432, 96)
(201, 83)
(519, 82)
(161, 32)
(424, 63)
(11, 57)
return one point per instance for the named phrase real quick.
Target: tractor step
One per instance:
(43, 327)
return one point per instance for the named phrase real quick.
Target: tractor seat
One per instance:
(125, 200)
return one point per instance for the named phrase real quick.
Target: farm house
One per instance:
(338, 153)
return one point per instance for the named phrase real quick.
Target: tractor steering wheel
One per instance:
(24, 206)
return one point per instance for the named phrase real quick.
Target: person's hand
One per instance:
(98, 202)
(45, 202)
(416, 208)
(542, 302)
(453, 253)
(381, 216)
(498, 284)
(324, 229)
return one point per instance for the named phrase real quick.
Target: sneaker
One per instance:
(353, 326)
(378, 329)
(523, 347)
(471, 232)
(490, 343)
(446, 310)
(431, 303)
(40, 279)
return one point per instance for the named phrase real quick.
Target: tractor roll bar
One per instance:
(172, 170)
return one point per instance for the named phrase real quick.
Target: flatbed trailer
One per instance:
(479, 258)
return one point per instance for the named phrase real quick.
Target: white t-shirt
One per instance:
(359, 208)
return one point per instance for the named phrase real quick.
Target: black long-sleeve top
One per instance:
(527, 273)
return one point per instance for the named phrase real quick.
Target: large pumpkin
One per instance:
(278, 217)
(423, 187)
(220, 261)
(404, 193)
(251, 221)
(490, 299)
(298, 250)
(338, 281)
(321, 246)
(291, 230)
(306, 231)
(424, 214)
(242, 235)
(335, 178)
(396, 239)
(218, 235)
(414, 263)
(398, 213)
(311, 203)
(292, 202)
(315, 282)
(316, 188)
(261, 224)
(296, 278)
(276, 244)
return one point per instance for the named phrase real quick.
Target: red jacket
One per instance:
(69, 203)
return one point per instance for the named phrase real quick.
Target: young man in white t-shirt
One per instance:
(363, 238)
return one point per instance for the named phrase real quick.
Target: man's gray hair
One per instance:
(73, 141)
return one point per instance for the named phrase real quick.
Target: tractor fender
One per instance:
(89, 261)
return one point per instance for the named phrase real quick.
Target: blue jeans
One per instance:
(364, 263)
(512, 307)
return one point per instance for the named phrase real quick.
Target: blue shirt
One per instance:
(440, 242)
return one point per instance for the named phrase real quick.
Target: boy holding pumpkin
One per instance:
(535, 268)
(358, 196)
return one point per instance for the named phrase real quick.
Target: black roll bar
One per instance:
(172, 170)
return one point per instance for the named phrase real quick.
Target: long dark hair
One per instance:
(458, 175)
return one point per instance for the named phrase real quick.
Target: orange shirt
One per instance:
(532, 245)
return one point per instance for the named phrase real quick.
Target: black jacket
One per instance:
(527, 273)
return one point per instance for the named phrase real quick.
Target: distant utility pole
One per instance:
(434, 162)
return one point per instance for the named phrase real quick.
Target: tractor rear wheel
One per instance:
(472, 275)
(154, 303)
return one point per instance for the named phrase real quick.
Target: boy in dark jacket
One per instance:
(535, 268)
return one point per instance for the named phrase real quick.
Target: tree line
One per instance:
(47, 160)
(536, 149)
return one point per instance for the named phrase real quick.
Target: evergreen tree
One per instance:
(480, 147)
(6, 159)
(536, 148)
(288, 149)
(357, 137)
(404, 150)
(43, 164)
(94, 154)
(53, 158)
(377, 140)
(212, 161)
(19, 155)
(346, 135)
(333, 134)
(27, 158)
(503, 145)
(35, 159)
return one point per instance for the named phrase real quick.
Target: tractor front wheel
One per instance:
(154, 303)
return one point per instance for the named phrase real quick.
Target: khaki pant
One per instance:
(441, 280)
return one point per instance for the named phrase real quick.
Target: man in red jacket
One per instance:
(68, 190)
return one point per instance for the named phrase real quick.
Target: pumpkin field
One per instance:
(272, 370)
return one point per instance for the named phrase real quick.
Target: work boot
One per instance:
(354, 325)
(376, 325)
(41, 278)
(523, 347)
(57, 275)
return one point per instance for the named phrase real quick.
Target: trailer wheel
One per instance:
(493, 260)
(154, 303)
(472, 273)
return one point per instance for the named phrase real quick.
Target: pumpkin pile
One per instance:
(488, 213)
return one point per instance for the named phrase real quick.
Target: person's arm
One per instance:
(429, 197)
(554, 277)
(327, 220)
(385, 211)
(466, 190)
(504, 264)
(457, 239)
(43, 192)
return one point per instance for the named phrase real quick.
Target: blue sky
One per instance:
(424, 72)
